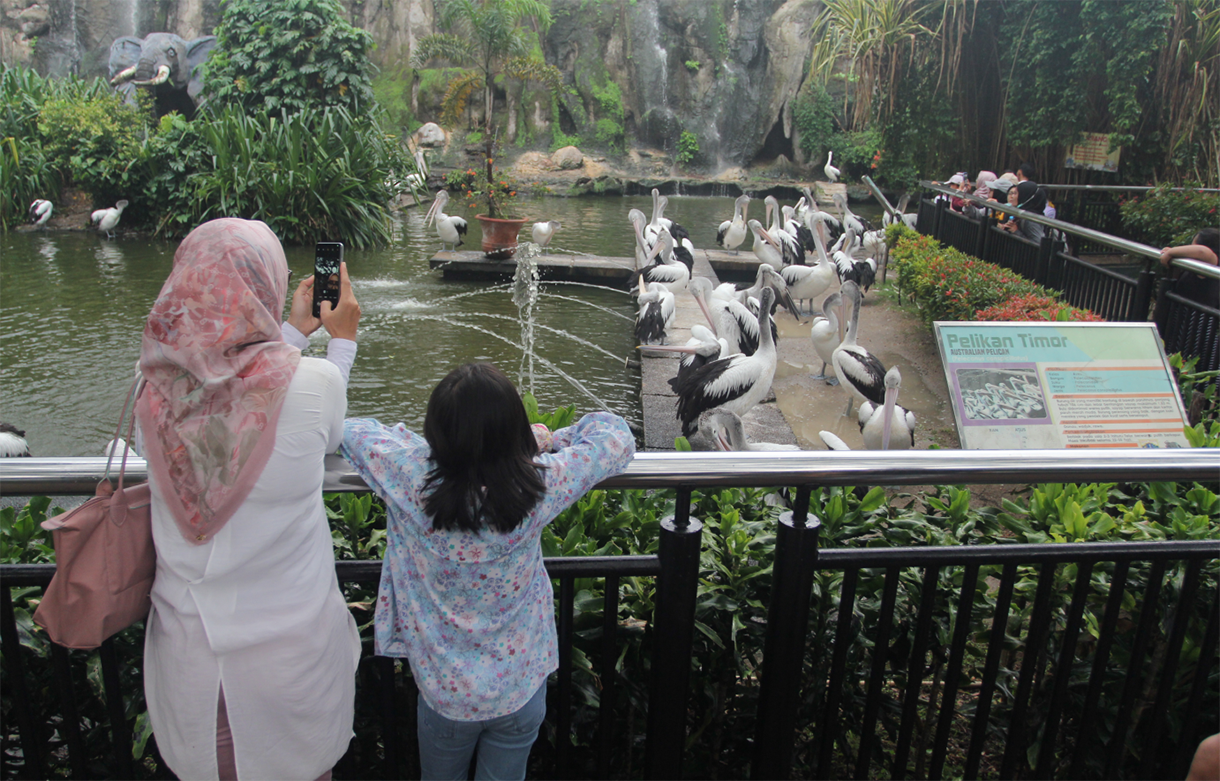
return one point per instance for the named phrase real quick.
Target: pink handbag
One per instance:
(104, 558)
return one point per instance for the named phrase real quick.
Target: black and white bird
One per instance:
(733, 232)
(809, 282)
(543, 232)
(12, 442)
(664, 268)
(735, 383)
(766, 248)
(888, 427)
(702, 347)
(719, 429)
(40, 212)
(908, 219)
(450, 229)
(832, 173)
(107, 219)
(797, 228)
(684, 250)
(861, 375)
(790, 248)
(826, 333)
(656, 313)
(851, 219)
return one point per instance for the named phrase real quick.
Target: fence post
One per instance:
(938, 218)
(1141, 304)
(673, 632)
(1042, 273)
(796, 555)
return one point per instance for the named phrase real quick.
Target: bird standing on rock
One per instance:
(832, 173)
(107, 219)
(40, 212)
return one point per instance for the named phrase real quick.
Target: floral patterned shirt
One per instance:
(474, 613)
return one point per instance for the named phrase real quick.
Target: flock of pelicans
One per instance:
(728, 366)
(105, 220)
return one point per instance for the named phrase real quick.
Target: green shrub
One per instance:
(1163, 218)
(688, 148)
(289, 56)
(90, 141)
(1034, 307)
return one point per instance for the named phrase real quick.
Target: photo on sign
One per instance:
(1001, 394)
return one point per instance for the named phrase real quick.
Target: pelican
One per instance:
(12, 442)
(40, 212)
(735, 383)
(826, 334)
(879, 425)
(790, 248)
(808, 282)
(666, 270)
(832, 173)
(719, 429)
(543, 232)
(862, 272)
(832, 441)
(639, 224)
(449, 229)
(797, 228)
(107, 219)
(656, 313)
(850, 218)
(702, 347)
(874, 244)
(860, 374)
(733, 232)
(661, 222)
(766, 248)
(419, 179)
(684, 250)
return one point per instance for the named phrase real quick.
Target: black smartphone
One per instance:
(327, 257)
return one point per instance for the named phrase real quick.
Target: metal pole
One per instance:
(796, 555)
(673, 633)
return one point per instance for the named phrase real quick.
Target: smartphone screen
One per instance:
(327, 257)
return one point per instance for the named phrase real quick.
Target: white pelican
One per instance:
(862, 272)
(826, 334)
(666, 270)
(735, 383)
(797, 228)
(639, 224)
(107, 219)
(656, 313)
(719, 429)
(419, 179)
(790, 248)
(808, 282)
(860, 374)
(40, 212)
(543, 232)
(684, 250)
(766, 248)
(888, 427)
(874, 244)
(703, 346)
(12, 442)
(832, 173)
(832, 441)
(450, 229)
(733, 232)
(850, 218)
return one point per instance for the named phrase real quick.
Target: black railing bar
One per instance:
(1203, 671)
(609, 684)
(23, 704)
(991, 669)
(1063, 669)
(369, 571)
(80, 475)
(120, 732)
(1097, 271)
(953, 671)
(915, 665)
(387, 704)
(1101, 657)
(1031, 656)
(71, 711)
(1146, 626)
(828, 724)
(1022, 553)
(1159, 714)
(876, 679)
(563, 694)
(1122, 188)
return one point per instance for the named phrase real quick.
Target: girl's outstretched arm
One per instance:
(598, 446)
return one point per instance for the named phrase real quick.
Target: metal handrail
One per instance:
(65, 476)
(1125, 245)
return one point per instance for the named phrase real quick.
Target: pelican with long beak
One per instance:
(860, 373)
(766, 248)
(450, 229)
(827, 333)
(879, 426)
(666, 270)
(733, 232)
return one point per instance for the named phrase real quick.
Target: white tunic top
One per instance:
(258, 608)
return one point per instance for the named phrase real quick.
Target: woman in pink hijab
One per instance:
(250, 650)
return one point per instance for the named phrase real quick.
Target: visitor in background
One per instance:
(1030, 198)
(464, 594)
(1205, 248)
(250, 650)
(982, 189)
(1007, 221)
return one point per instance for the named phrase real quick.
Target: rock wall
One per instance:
(641, 71)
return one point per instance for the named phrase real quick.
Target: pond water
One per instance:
(73, 305)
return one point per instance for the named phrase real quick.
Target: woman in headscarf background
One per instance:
(250, 650)
(982, 190)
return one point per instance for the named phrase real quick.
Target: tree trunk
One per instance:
(511, 130)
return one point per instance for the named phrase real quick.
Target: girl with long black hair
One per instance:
(464, 595)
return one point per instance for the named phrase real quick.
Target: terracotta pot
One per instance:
(499, 236)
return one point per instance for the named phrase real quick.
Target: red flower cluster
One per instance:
(1035, 307)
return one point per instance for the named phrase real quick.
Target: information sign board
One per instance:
(1093, 153)
(1060, 385)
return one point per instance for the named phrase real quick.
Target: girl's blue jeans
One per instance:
(503, 743)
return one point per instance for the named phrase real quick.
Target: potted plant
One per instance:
(495, 191)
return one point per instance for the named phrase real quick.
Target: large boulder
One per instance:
(568, 158)
(430, 135)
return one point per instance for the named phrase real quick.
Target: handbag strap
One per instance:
(137, 387)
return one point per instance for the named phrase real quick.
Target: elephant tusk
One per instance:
(124, 75)
(161, 77)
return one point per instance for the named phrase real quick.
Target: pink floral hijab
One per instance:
(217, 371)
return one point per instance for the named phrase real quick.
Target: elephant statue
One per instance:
(165, 63)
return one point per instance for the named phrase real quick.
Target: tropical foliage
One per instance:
(289, 56)
(1166, 218)
(489, 37)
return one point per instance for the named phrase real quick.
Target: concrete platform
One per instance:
(569, 268)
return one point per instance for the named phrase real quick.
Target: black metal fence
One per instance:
(1054, 660)
(1186, 326)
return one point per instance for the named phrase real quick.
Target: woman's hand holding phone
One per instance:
(340, 321)
(300, 316)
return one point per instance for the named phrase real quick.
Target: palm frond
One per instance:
(444, 46)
